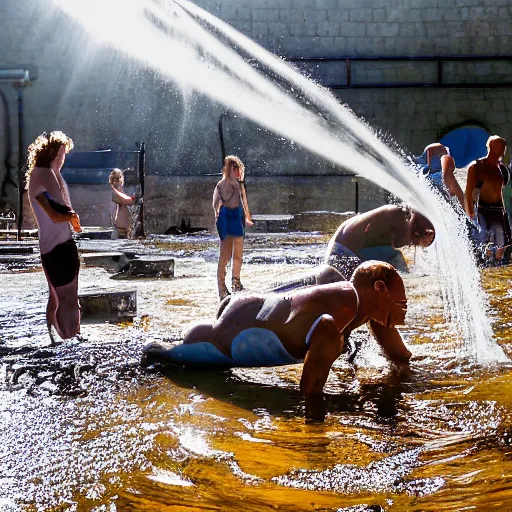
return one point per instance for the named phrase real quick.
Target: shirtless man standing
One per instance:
(488, 176)
(308, 325)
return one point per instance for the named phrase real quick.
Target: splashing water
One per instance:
(197, 51)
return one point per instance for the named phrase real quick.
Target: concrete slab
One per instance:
(326, 222)
(271, 223)
(109, 260)
(148, 266)
(95, 234)
(108, 305)
(16, 249)
(18, 260)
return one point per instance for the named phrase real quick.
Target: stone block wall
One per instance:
(105, 99)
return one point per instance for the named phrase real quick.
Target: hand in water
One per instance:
(75, 222)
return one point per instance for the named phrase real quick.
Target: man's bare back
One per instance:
(390, 225)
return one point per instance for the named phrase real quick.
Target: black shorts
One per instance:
(61, 263)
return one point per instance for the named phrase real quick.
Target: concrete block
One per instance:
(451, 15)
(351, 29)
(277, 28)
(260, 28)
(412, 15)
(110, 260)
(337, 16)
(499, 28)
(271, 223)
(16, 249)
(148, 266)
(95, 234)
(299, 29)
(244, 14)
(326, 28)
(108, 305)
(383, 29)
(265, 15)
(379, 15)
(362, 15)
(319, 221)
(326, 4)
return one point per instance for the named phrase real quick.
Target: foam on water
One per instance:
(198, 51)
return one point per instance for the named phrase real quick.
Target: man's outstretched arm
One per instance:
(325, 347)
(391, 342)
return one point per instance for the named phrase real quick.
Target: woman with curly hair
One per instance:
(231, 214)
(49, 200)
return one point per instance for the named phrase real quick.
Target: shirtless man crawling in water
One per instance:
(308, 325)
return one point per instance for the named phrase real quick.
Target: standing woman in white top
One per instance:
(49, 199)
(231, 214)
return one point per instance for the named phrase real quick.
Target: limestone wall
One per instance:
(104, 99)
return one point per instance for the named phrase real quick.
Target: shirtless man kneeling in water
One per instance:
(308, 325)
(362, 237)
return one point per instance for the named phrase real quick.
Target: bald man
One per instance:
(308, 325)
(486, 178)
(373, 235)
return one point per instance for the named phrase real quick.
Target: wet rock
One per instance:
(148, 266)
(95, 234)
(107, 305)
(109, 260)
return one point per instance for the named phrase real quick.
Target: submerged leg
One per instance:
(226, 248)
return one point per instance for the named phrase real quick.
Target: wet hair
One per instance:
(115, 176)
(232, 159)
(420, 223)
(492, 139)
(366, 274)
(43, 151)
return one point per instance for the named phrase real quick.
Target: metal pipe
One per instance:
(8, 147)
(221, 136)
(21, 159)
(431, 58)
(21, 76)
(438, 60)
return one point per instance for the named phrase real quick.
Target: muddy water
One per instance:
(88, 429)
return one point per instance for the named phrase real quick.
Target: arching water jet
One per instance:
(196, 50)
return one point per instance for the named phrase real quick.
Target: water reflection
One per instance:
(434, 436)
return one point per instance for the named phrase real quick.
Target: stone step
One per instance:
(109, 260)
(16, 249)
(95, 234)
(148, 266)
(326, 222)
(270, 223)
(108, 305)
(18, 260)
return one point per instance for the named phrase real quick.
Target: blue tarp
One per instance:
(466, 144)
